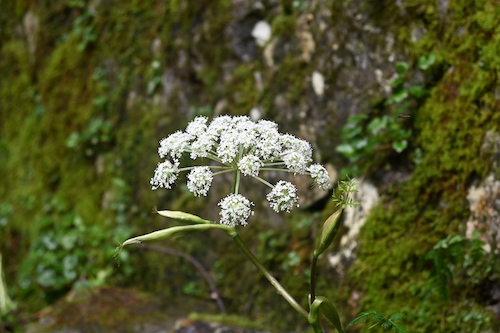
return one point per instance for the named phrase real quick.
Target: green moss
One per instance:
(95, 69)
(283, 25)
(242, 91)
(412, 217)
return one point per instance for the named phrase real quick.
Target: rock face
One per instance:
(89, 87)
(484, 201)
(354, 219)
(108, 309)
(104, 309)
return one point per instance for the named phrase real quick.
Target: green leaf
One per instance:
(398, 328)
(397, 82)
(362, 317)
(426, 62)
(399, 146)
(326, 307)
(345, 149)
(398, 96)
(182, 216)
(396, 316)
(377, 124)
(352, 132)
(418, 91)
(402, 67)
(174, 232)
(360, 144)
(328, 232)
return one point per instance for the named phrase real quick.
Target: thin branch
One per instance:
(214, 292)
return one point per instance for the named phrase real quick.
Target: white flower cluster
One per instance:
(242, 146)
(235, 210)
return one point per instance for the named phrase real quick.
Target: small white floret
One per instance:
(200, 180)
(283, 197)
(165, 174)
(235, 210)
(319, 175)
(174, 145)
(250, 165)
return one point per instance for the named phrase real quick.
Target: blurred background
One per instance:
(404, 95)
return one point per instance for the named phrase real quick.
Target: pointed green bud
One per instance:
(328, 232)
(175, 232)
(181, 216)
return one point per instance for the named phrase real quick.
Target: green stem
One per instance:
(313, 278)
(282, 291)
(236, 185)
(274, 163)
(223, 171)
(263, 181)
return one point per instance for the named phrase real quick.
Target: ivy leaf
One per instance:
(402, 67)
(377, 124)
(399, 146)
(418, 91)
(398, 96)
(345, 149)
(426, 62)
(397, 82)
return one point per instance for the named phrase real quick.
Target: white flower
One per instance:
(165, 174)
(238, 145)
(202, 146)
(249, 165)
(319, 175)
(218, 125)
(174, 145)
(228, 147)
(235, 209)
(291, 143)
(200, 180)
(267, 145)
(283, 197)
(197, 126)
(295, 161)
(266, 126)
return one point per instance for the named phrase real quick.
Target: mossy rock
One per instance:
(103, 309)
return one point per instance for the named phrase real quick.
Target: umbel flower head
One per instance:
(241, 146)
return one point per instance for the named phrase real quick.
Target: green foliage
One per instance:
(323, 305)
(93, 139)
(84, 30)
(342, 195)
(413, 216)
(283, 25)
(453, 256)
(68, 252)
(369, 141)
(155, 77)
(48, 93)
(379, 319)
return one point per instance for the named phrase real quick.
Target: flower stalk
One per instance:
(279, 288)
(247, 148)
